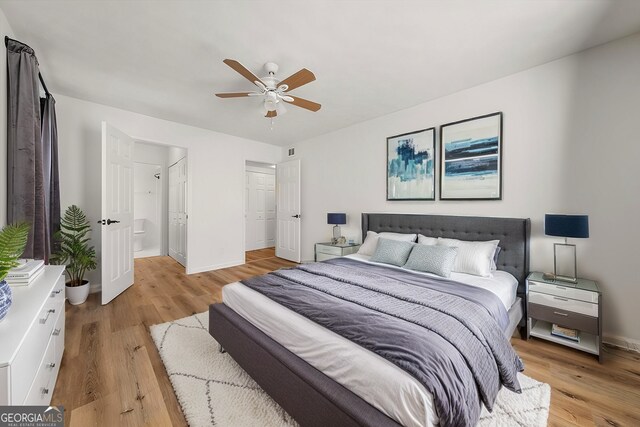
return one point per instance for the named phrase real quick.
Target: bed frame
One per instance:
(311, 397)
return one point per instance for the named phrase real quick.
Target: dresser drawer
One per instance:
(329, 250)
(564, 318)
(57, 336)
(27, 360)
(563, 291)
(563, 303)
(41, 388)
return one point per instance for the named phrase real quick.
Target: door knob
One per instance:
(295, 216)
(109, 222)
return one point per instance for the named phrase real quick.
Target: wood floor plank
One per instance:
(112, 374)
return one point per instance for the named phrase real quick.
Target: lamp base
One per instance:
(557, 278)
(336, 234)
(568, 253)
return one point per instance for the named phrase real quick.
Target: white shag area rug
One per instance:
(214, 390)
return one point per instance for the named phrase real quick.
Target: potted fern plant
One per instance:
(13, 239)
(75, 253)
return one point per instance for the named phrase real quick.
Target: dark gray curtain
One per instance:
(49, 134)
(30, 157)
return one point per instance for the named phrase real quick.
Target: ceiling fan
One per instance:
(273, 91)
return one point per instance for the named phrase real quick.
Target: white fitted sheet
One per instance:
(379, 382)
(376, 380)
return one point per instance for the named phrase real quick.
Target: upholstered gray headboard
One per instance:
(513, 234)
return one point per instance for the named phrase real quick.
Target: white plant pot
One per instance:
(78, 294)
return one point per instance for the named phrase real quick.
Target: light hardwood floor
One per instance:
(112, 375)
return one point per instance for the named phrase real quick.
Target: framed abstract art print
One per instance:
(471, 159)
(411, 165)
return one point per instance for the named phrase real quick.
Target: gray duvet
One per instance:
(447, 335)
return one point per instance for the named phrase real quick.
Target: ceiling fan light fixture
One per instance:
(280, 108)
(269, 106)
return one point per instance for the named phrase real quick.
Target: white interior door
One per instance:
(288, 210)
(178, 211)
(260, 210)
(117, 212)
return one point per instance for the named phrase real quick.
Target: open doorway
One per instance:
(159, 201)
(260, 209)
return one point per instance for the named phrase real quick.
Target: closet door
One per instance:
(178, 211)
(260, 211)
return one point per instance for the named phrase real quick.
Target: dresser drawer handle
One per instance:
(49, 313)
(45, 391)
(56, 292)
(560, 299)
(55, 332)
(560, 314)
(51, 365)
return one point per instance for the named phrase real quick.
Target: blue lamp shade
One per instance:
(336, 218)
(566, 225)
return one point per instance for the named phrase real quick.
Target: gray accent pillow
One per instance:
(393, 252)
(432, 259)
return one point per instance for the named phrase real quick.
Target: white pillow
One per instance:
(473, 257)
(370, 243)
(426, 240)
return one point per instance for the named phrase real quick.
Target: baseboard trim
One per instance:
(215, 267)
(95, 288)
(622, 342)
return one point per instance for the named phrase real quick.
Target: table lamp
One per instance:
(336, 219)
(576, 226)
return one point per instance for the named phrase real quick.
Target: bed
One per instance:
(313, 395)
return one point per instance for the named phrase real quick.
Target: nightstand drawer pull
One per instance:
(560, 314)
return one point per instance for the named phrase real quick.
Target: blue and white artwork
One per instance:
(470, 161)
(410, 166)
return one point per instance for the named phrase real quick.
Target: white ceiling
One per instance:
(371, 58)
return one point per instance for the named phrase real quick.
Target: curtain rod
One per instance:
(44, 86)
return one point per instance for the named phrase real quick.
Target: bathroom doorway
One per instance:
(151, 201)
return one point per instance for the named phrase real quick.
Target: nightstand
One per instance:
(572, 305)
(326, 251)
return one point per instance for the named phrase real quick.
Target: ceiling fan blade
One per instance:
(242, 70)
(304, 103)
(271, 114)
(298, 79)
(234, 94)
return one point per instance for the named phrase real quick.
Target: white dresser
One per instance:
(32, 340)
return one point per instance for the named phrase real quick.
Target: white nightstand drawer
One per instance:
(329, 250)
(567, 304)
(563, 291)
(323, 257)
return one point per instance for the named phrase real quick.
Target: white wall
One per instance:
(216, 164)
(570, 146)
(5, 30)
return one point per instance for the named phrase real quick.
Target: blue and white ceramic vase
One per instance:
(5, 299)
